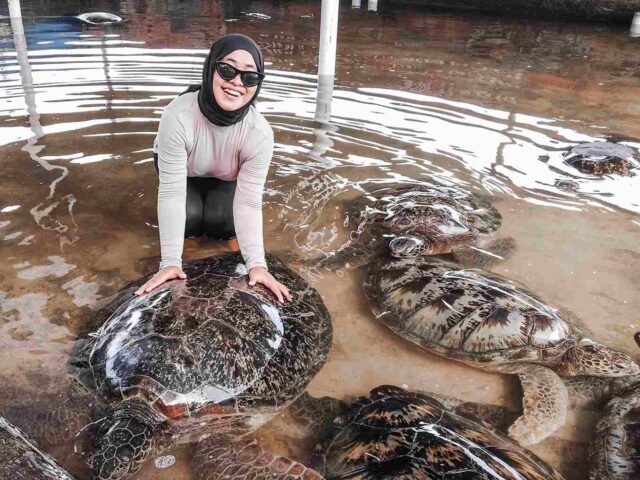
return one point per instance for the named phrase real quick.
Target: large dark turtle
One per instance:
(489, 322)
(393, 434)
(417, 219)
(602, 158)
(206, 356)
(20, 457)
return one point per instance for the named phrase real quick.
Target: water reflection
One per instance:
(476, 103)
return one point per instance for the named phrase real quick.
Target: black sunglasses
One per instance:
(229, 72)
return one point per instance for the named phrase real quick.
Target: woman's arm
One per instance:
(247, 216)
(247, 202)
(172, 189)
(172, 197)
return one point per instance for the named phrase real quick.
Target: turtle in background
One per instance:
(100, 18)
(603, 158)
(392, 434)
(20, 457)
(410, 220)
(206, 356)
(489, 322)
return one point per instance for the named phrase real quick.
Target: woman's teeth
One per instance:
(233, 93)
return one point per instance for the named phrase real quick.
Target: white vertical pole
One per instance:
(635, 26)
(356, 3)
(22, 55)
(372, 5)
(328, 37)
(326, 76)
(15, 12)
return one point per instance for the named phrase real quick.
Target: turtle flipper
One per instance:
(496, 417)
(471, 256)
(545, 403)
(219, 458)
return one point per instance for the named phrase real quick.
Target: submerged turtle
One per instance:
(418, 219)
(602, 158)
(100, 18)
(20, 457)
(392, 434)
(206, 356)
(486, 321)
(614, 451)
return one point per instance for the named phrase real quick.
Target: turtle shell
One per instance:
(207, 345)
(442, 214)
(394, 434)
(602, 158)
(615, 449)
(467, 315)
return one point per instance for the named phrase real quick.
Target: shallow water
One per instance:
(487, 104)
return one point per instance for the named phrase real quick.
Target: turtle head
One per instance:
(124, 441)
(411, 246)
(590, 358)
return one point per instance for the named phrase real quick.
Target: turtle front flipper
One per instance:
(484, 257)
(544, 403)
(219, 457)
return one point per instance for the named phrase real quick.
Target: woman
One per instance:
(213, 152)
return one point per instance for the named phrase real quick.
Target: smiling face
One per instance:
(233, 94)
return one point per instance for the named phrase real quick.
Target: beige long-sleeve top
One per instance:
(188, 144)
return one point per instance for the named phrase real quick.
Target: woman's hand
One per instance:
(165, 274)
(262, 275)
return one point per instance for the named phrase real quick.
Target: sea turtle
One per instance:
(614, 453)
(602, 158)
(209, 355)
(614, 450)
(489, 322)
(393, 434)
(20, 457)
(100, 18)
(418, 219)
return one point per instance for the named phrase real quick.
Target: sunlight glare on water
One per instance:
(484, 104)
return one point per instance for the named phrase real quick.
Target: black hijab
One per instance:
(206, 101)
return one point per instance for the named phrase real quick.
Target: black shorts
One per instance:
(209, 207)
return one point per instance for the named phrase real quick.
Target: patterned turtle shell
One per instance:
(441, 214)
(465, 314)
(395, 434)
(603, 158)
(208, 345)
(615, 449)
